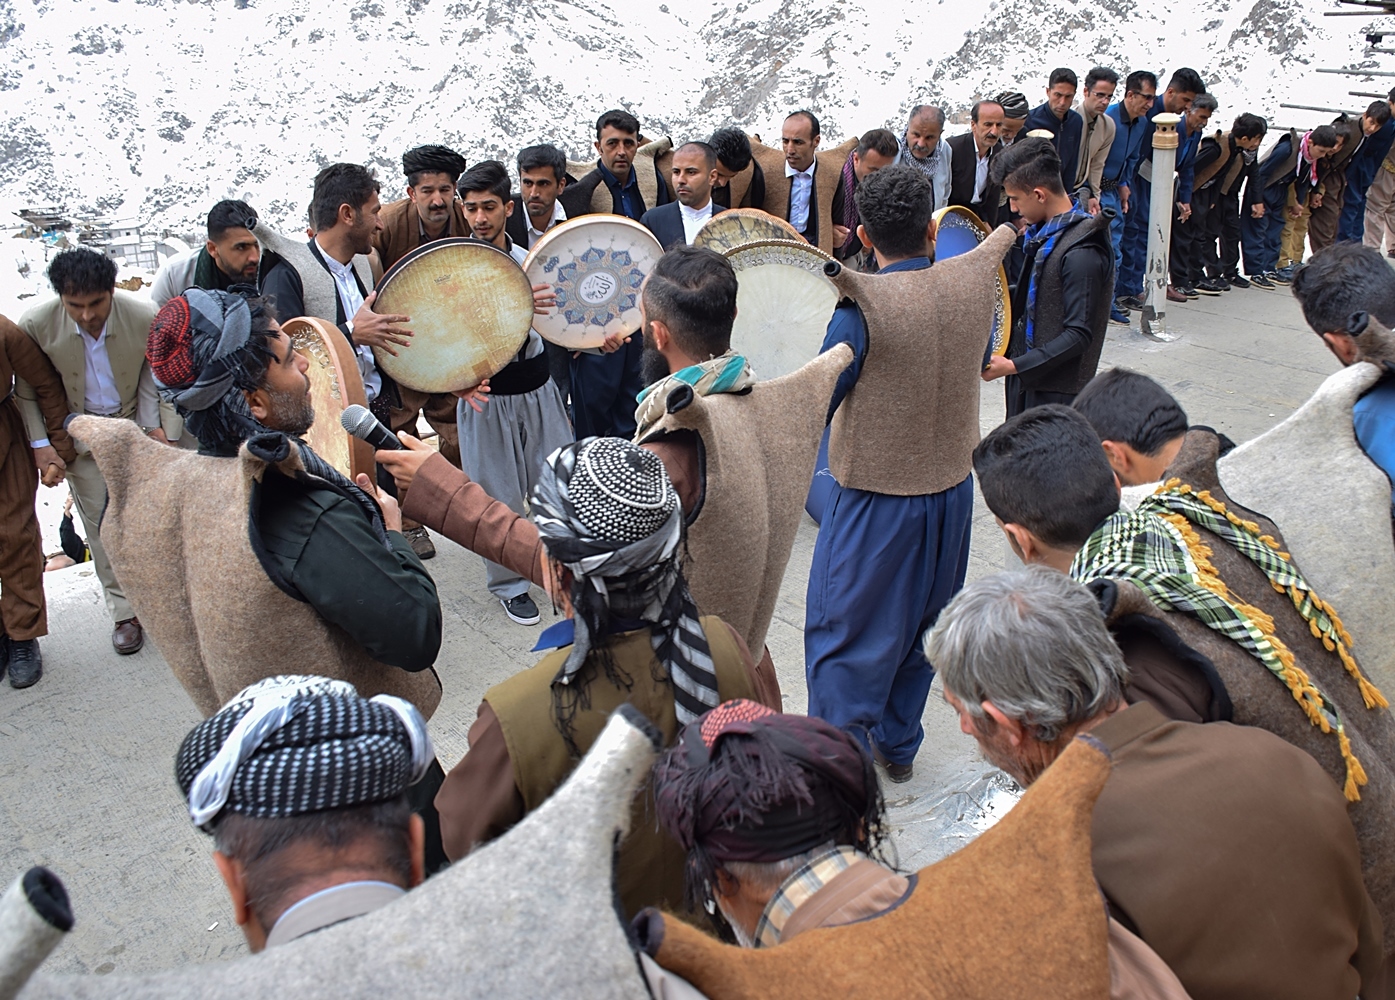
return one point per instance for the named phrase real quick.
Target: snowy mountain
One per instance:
(153, 109)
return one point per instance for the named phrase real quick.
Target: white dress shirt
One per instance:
(980, 173)
(693, 218)
(352, 300)
(100, 395)
(559, 214)
(801, 188)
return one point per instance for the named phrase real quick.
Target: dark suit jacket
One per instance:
(961, 179)
(666, 223)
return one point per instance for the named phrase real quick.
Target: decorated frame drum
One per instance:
(739, 226)
(596, 264)
(783, 304)
(335, 384)
(957, 231)
(470, 308)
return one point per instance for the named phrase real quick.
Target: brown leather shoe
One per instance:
(128, 637)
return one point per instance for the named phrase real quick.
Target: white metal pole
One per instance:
(1155, 279)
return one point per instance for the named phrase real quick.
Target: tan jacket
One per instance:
(401, 232)
(828, 174)
(128, 328)
(1094, 150)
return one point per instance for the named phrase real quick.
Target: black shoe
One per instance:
(1261, 281)
(1237, 281)
(898, 773)
(1209, 286)
(1134, 302)
(521, 609)
(1282, 276)
(4, 654)
(26, 665)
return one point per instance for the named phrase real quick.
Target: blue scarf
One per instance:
(1044, 235)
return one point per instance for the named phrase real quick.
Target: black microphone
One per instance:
(359, 422)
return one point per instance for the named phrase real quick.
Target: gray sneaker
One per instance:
(521, 609)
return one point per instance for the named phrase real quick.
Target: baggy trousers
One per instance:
(504, 448)
(1261, 237)
(89, 492)
(22, 607)
(884, 566)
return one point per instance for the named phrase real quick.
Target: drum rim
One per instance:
(800, 246)
(985, 230)
(351, 391)
(416, 253)
(754, 213)
(551, 236)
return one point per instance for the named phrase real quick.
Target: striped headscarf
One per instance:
(729, 372)
(607, 511)
(291, 745)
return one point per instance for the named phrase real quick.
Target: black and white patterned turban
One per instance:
(433, 160)
(607, 511)
(292, 745)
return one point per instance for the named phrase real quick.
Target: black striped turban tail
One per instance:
(607, 511)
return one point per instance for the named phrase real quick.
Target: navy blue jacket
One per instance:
(1067, 131)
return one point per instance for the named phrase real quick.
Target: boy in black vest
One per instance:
(1060, 305)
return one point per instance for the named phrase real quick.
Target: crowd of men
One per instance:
(605, 478)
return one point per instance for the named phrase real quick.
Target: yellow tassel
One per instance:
(1356, 774)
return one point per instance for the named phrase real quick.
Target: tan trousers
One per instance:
(1380, 211)
(89, 492)
(1295, 234)
(22, 607)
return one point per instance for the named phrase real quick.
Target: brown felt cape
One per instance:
(176, 530)
(1016, 915)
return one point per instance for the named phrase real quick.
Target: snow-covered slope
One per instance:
(152, 109)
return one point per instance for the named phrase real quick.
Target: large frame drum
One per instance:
(957, 231)
(335, 385)
(783, 304)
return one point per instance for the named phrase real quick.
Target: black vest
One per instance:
(1070, 375)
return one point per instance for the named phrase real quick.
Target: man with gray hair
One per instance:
(923, 146)
(1178, 833)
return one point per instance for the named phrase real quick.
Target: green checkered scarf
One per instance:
(1157, 548)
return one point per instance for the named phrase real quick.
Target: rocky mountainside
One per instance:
(152, 109)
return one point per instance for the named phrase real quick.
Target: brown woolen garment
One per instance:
(760, 448)
(826, 177)
(1016, 915)
(910, 425)
(1260, 699)
(401, 232)
(176, 531)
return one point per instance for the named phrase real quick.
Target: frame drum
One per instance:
(957, 231)
(335, 384)
(738, 226)
(783, 304)
(596, 264)
(471, 308)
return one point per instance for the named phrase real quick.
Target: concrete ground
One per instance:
(86, 757)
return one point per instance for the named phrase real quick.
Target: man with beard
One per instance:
(429, 212)
(1180, 829)
(330, 276)
(364, 610)
(694, 173)
(1015, 112)
(923, 146)
(231, 256)
(875, 150)
(1065, 125)
(504, 442)
(740, 179)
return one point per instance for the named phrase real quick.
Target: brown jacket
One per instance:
(827, 176)
(401, 232)
(1229, 852)
(20, 356)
